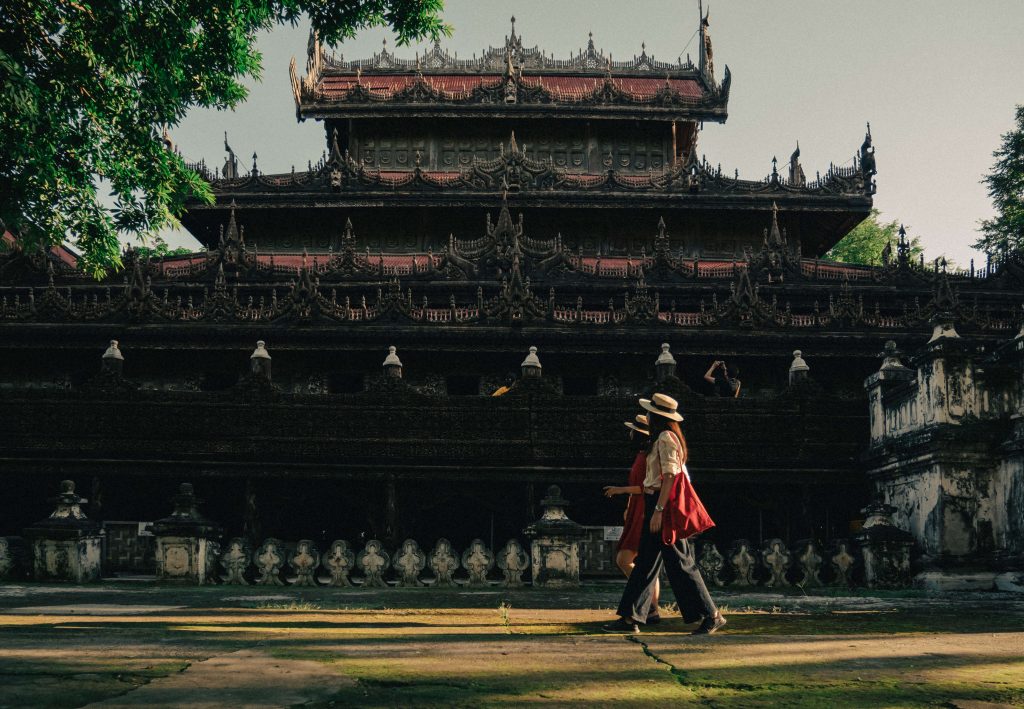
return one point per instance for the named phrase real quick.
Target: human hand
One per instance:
(656, 522)
(612, 490)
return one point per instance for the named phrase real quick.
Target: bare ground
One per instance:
(121, 645)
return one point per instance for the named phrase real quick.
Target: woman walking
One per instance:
(633, 518)
(671, 512)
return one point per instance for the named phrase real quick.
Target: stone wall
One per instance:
(945, 449)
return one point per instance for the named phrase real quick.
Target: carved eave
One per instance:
(421, 100)
(508, 81)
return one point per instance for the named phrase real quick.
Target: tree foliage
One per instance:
(86, 86)
(1005, 184)
(866, 242)
(158, 248)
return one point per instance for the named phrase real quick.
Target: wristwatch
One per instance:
(659, 508)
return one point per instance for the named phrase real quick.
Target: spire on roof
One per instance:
(707, 62)
(231, 233)
(230, 170)
(796, 172)
(775, 237)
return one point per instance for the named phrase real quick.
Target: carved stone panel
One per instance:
(304, 561)
(409, 561)
(373, 562)
(743, 563)
(477, 560)
(809, 560)
(842, 563)
(6, 558)
(177, 559)
(76, 560)
(444, 562)
(235, 562)
(711, 564)
(268, 560)
(339, 561)
(513, 562)
(776, 559)
(212, 559)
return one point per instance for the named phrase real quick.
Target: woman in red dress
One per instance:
(632, 528)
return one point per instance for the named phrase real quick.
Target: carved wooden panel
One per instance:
(126, 549)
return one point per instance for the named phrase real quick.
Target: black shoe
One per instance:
(621, 626)
(710, 625)
(653, 619)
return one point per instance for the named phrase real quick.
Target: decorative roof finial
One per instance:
(230, 170)
(232, 228)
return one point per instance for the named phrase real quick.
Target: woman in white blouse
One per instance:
(666, 458)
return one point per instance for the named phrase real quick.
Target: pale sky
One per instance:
(937, 79)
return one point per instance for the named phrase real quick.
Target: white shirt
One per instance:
(665, 458)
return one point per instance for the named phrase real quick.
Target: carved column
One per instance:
(665, 365)
(66, 546)
(885, 547)
(555, 546)
(186, 546)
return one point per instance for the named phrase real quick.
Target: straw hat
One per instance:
(641, 421)
(663, 406)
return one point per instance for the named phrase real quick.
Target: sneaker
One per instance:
(621, 625)
(710, 625)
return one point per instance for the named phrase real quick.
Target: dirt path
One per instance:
(153, 646)
(246, 679)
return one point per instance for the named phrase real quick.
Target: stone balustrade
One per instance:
(279, 563)
(190, 552)
(807, 564)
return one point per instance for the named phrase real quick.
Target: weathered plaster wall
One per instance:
(939, 449)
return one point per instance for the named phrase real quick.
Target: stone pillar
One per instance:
(185, 541)
(665, 365)
(6, 558)
(555, 547)
(798, 371)
(392, 365)
(66, 546)
(531, 366)
(113, 360)
(259, 361)
(891, 374)
(885, 548)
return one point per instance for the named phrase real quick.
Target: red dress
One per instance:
(633, 527)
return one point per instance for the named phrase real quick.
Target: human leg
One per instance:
(691, 593)
(639, 592)
(625, 559)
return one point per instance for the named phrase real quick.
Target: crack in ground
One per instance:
(675, 671)
(681, 676)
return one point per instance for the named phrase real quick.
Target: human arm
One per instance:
(709, 376)
(670, 456)
(666, 487)
(613, 490)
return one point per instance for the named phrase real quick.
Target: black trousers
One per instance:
(691, 594)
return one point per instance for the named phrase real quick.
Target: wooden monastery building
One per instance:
(466, 211)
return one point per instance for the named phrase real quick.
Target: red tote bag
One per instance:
(685, 515)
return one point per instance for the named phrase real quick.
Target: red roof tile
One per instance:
(456, 86)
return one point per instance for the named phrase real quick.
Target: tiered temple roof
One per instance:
(508, 277)
(509, 80)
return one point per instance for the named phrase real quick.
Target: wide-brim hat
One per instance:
(663, 406)
(641, 420)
